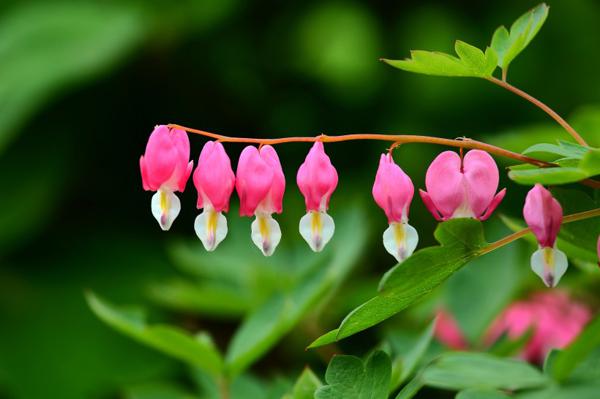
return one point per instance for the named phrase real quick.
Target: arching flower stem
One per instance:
(395, 138)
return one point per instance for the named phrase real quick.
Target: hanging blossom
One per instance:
(260, 184)
(214, 180)
(552, 318)
(543, 215)
(462, 188)
(317, 179)
(165, 168)
(393, 192)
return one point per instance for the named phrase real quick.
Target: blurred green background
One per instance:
(83, 83)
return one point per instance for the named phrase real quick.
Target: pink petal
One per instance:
(444, 182)
(166, 159)
(393, 190)
(481, 175)
(317, 178)
(430, 206)
(254, 179)
(274, 200)
(543, 215)
(214, 178)
(493, 205)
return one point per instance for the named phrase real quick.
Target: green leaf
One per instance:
(410, 360)
(196, 350)
(265, 326)
(305, 386)
(562, 149)
(214, 298)
(590, 163)
(410, 389)
(471, 62)
(529, 175)
(583, 391)
(411, 280)
(349, 378)
(46, 46)
(481, 394)
(509, 44)
(567, 360)
(458, 371)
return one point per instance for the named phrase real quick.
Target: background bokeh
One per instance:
(83, 83)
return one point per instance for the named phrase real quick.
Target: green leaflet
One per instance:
(305, 386)
(471, 62)
(509, 44)
(575, 163)
(349, 377)
(469, 370)
(196, 350)
(461, 240)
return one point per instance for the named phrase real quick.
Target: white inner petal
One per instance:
(317, 229)
(265, 233)
(550, 264)
(165, 208)
(211, 228)
(400, 240)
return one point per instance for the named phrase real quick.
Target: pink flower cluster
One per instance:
(457, 187)
(552, 318)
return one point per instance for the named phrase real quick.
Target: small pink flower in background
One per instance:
(260, 184)
(317, 179)
(543, 215)
(165, 168)
(448, 332)
(393, 192)
(214, 180)
(462, 187)
(553, 318)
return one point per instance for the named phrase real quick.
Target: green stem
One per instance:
(521, 233)
(503, 83)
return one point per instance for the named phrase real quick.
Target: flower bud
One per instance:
(260, 184)
(543, 215)
(214, 180)
(317, 179)
(462, 187)
(393, 192)
(165, 168)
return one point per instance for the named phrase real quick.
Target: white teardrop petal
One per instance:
(165, 208)
(211, 228)
(400, 240)
(550, 264)
(317, 229)
(265, 233)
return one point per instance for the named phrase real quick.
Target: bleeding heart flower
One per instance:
(543, 215)
(165, 168)
(260, 184)
(214, 180)
(317, 179)
(393, 192)
(552, 318)
(462, 187)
